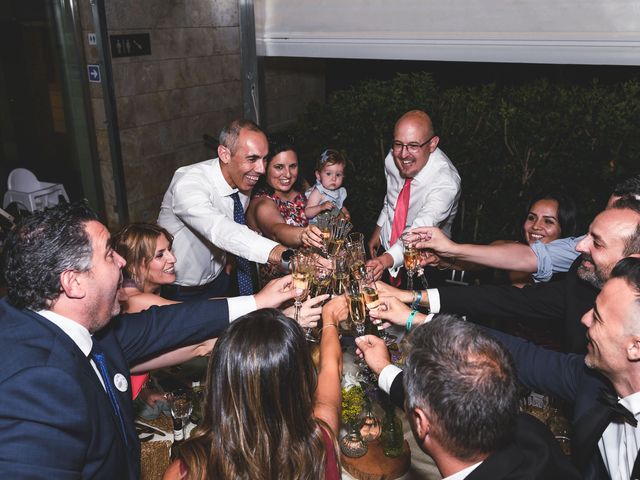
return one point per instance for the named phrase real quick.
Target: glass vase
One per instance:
(351, 444)
(371, 426)
(392, 436)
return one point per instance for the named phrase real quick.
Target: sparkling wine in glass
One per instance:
(372, 302)
(340, 283)
(411, 257)
(358, 313)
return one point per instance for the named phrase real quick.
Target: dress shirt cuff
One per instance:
(239, 306)
(397, 253)
(545, 266)
(434, 300)
(387, 376)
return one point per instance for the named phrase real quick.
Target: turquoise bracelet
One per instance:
(410, 319)
(417, 298)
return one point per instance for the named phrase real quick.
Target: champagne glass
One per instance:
(372, 302)
(322, 279)
(354, 247)
(300, 275)
(324, 224)
(411, 257)
(357, 308)
(341, 274)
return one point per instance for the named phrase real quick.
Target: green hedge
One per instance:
(507, 143)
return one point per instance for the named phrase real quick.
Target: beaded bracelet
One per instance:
(410, 319)
(417, 298)
(329, 325)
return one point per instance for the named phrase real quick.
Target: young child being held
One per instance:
(328, 192)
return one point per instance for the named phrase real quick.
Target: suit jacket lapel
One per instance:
(587, 430)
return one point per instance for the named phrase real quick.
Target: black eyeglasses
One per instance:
(411, 147)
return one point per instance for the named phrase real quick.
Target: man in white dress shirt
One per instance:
(198, 210)
(419, 173)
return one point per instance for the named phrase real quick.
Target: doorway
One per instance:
(45, 121)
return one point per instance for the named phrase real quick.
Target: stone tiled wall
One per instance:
(188, 86)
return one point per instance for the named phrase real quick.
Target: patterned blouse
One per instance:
(293, 214)
(292, 211)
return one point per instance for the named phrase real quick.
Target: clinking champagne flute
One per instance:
(372, 302)
(411, 257)
(300, 276)
(356, 308)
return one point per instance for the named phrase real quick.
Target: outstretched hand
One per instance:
(434, 239)
(311, 236)
(310, 311)
(374, 352)
(276, 292)
(391, 310)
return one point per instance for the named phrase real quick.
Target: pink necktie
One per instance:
(400, 215)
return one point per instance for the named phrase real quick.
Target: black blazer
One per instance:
(566, 376)
(564, 300)
(56, 420)
(534, 454)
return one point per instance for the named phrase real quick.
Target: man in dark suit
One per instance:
(604, 385)
(66, 409)
(462, 404)
(613, 235)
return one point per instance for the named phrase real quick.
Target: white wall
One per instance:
(527, 31)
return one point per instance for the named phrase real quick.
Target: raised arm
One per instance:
(192, 204)
(507, 256)
(269, 221)
(315, 205)
(328, 394)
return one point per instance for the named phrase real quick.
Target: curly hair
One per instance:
(40, 248)
(258, 422)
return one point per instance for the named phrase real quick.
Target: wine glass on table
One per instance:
(181, 405)
(411, 257)
(372, 302)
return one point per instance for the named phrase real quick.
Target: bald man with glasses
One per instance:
(423, 188)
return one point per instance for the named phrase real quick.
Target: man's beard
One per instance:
(595, 276)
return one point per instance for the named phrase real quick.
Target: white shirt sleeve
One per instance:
(434, 301)
(387, 376)
(192, 204)
(239, 306)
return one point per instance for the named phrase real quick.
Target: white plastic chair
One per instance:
(26, 190)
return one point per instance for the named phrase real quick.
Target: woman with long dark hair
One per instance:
(270, 414)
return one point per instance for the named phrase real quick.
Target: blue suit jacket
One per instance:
(56, 420)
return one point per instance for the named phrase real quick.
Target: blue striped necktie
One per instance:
(245, 285)
(98, 357)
